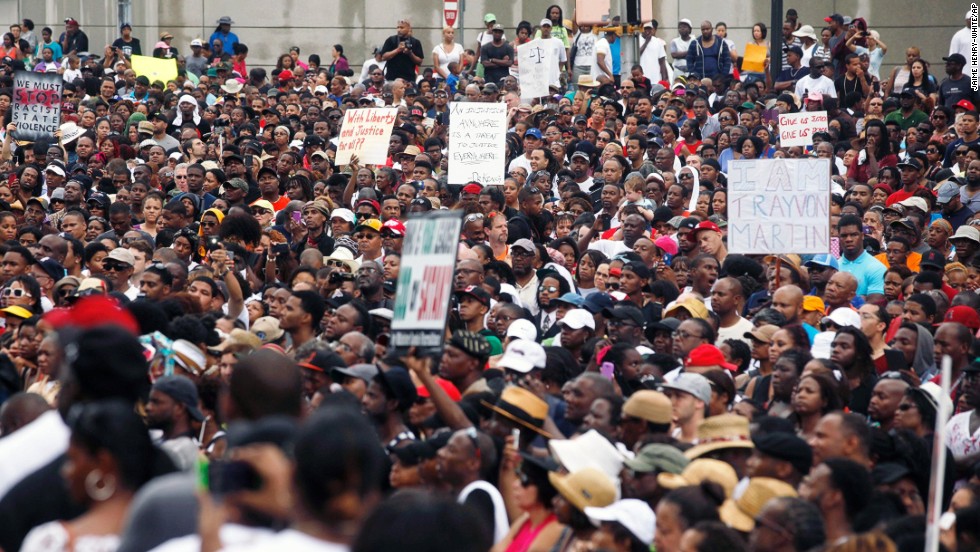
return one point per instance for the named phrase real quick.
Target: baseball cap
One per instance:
(123, 255)
(524, 244)
(522, 329)
(372, 223)
(834, 17)
(181, 390)
(934, 259)
(912, 163)
(545, 22)
(824, 259)
(691, 304)
(365, 372)
(964, 315)
(693, 384)
(763, 333)
(707, 225)
(267, 329)
(965, 104)
(476, 292)
(533, 132)
(322, 361)
(236, 183)
(946, 192)
(623, 311)
(658, 457)
(397, 380)
(394, 226)
(685, 21)
(787, 447)
(813, 303)
(647, 404)
(488, 18)
(843, 316)
(959, 59)
(423, 391)
(53, 268)
(706, 355)
(795, 50)
(522, 356)
(370, 203)
(576, 319)
(597, 302)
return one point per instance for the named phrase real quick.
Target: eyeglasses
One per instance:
(960, 152)
(335, 117)
(614, 323)
(612, 285)
(16, 292)
(681, 334)
(66, 291)
(362, 236)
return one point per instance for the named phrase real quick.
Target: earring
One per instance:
(98, 487)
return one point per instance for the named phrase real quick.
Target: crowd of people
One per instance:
(197, 301)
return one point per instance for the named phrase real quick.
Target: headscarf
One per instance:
(695, 189)
(179, 119)
(134, 119)
(924, 363)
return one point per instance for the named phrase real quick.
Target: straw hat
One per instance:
(721, 432)
(584, 488)
(522, 407)
(739, 513)
(587, 81)
(702, 469)
(649, 405)
(690, 304)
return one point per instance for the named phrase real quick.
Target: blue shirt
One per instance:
(617, 61)
(868, 271)
(228, 41)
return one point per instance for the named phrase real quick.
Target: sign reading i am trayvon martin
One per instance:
(779, 206)
(36, 105)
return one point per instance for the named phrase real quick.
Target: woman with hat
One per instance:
(681, 509)
(163, 49)
(586, 487)
(531, 495)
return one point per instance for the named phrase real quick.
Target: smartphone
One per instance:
(211, 243)
(297, 216)
(230, 476)
(231, 255)
(516, 434)
(280, 248)
(607, 370)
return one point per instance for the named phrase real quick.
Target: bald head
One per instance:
(20, 410)
(789, 301)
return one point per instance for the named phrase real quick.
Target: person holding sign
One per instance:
(554, 48)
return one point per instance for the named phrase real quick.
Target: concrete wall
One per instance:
(270, 27)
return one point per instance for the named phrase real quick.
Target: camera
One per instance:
(337, 278)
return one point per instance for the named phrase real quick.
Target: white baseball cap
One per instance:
(635, 515)
(844, 316)
(522, 329)
(523, 355)
(577, 319)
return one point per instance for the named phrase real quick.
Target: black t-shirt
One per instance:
(488, 52)
(952, 91)
(131, 48)
(401, 66)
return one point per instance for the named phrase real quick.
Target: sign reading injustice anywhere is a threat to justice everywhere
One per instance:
(425, 281)
(36, 105)
(476, 143)
(779, 206)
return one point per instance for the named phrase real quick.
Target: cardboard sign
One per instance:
(477, 133)
(779, 206)
(797, 129)
(425, 281)
(754, 58)
(163, 70)
(534, 68)
(365, 133)
(592, 12)
(36, 105)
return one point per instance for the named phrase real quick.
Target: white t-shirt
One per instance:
(445, 58)
(958, 438)
(231, 535)
(820, 84)
(584, 45)
(602, 49)
(679, 45)
(650, 58)
(736, 331)
(292, 540)
(555, 49)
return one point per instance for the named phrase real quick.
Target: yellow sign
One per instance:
(753, 59)
(162, 70)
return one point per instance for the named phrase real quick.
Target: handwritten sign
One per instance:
(477, 132)
(425, 281)
(365, 133)
(779, 206)
(797, 129)
(36, 105)
(754, 58)
(534, 67)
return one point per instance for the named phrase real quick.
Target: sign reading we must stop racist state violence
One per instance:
(366, 133)
(36, 105)
(779, 206)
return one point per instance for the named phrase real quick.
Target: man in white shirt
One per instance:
(554, 49)
(653, 54)
(680, 45)
(961, 43)
(816, 81)
(602, 66)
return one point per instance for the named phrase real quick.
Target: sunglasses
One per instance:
(115, 267)
(66, 291)
(549, 289)
(473, 217)
(10, 292)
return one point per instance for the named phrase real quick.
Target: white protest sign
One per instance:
(534, 68)
(365, 133)
(36, 105)
(797, 129)
(779, 206)
(425, 280)
(477, 134)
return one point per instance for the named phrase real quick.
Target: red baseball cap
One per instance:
(966, 104)
(394, 226)
(707, 225)
(285, 75)
(964, 315)
(373, 203)
(446, 385)
(707, 355)
(473, 188)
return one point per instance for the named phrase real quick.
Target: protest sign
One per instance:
(779, 206)
(36, 105)
(797, 129)
(365, 133)
(477, 132)
(754, 58)
(425, 281)
(155, 69)
(534, 68)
